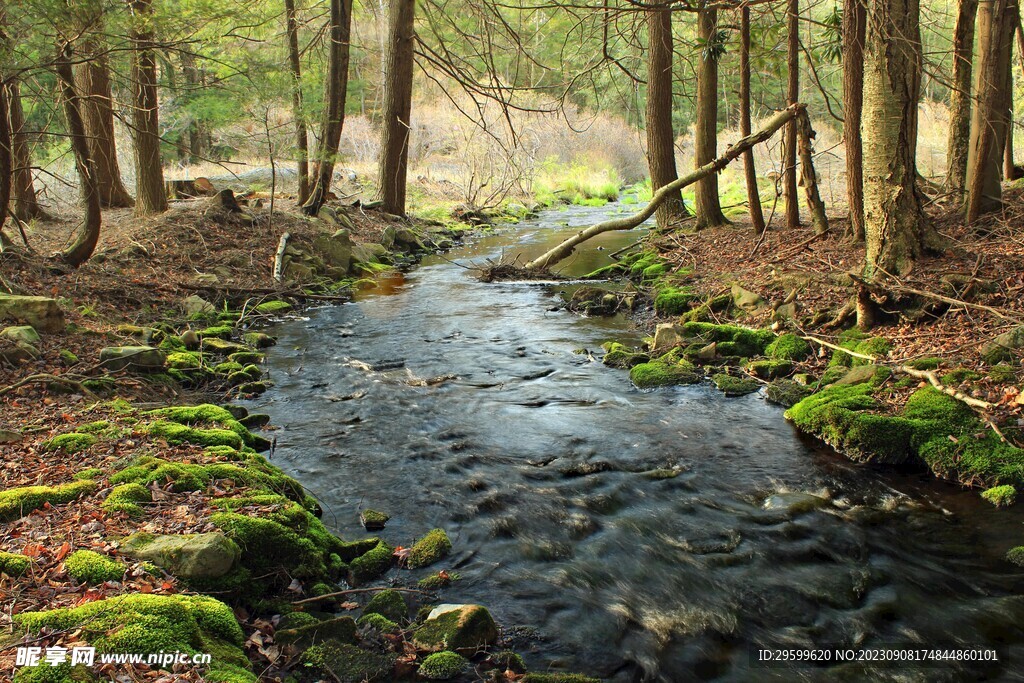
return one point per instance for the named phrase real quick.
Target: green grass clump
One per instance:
(13, 564)
(434, 546)
(86, 566)
(1000, 496)
(16, 503)
(126, 498)
(442, 666)
(70, 443)
(658, 374)
(142, 624)
(788, 347)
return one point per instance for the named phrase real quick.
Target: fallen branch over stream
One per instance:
(795, 111)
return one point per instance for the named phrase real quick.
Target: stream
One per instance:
(547, 470)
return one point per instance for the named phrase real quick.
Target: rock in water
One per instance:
(40, 312)
(462, 628)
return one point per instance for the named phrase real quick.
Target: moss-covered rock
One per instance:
(143, 624)
(735, 386)
(87, 566)
(13, 564)
(461, 628)
(244, 358)
(437, 580)
(742, 341)
(258, 340)
(378, 622)
(175, 433)
(1002, 373)
(657, 374)
(126, 498)
(348, 663)
(1016, 555)
(620, 356)
(273, 307)
(18, 502)
(672, 300)
(373, 520)
(786, 392)
(434, 546)
(507, 660)
(189, 556)
(770, 369)
(788, 347)
(70, 443)
(442, 666)
(184, 360)
(303, 630)
(218, 331)
(1000, 496)
(388, 603)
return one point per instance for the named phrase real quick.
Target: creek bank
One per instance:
(852, 393)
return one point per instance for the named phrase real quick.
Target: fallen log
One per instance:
(565, 249)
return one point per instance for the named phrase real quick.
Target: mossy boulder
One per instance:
(87, 566)
(22, 334)
(434, 546)
(672, 300)
(1016, 555)
(442, 666)
(620, 356)
(140, 358)
(594, 301)
(209, 415)
(244, 358)
(460, 628)
(788, 347)
(733, 340)
(143, 624)
(770, 369)
(309, 630)
(189, 556)
(40, 312)
(1000, 496)
(378, 622)
(347, 663)
(70, 443)
(222, 347)
(126, 498)
(786, 392)
(259, 340)
(388, 603)
(218, 331)
(373, 520)
(18, 502)
(735, 386)
(13, 564)
(658, 374)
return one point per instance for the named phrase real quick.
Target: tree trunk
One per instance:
(395, 128)
(79, 252)
(705, 143)
(894, 222)
(1008, 170)
(198, 147)
(960, 103)
(149, 177)
(789, 183)
(853, 99)
(301, 134)
(6, 162)
(661, 139)
(92, 80)
(990, 119)
(334, 108)
(26, 203)
(750, 173)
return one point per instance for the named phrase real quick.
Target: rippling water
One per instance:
(550, 474)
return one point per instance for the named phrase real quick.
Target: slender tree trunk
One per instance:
(26, 203)
(661, 148)
(6, 162)
(150, 194)
(789, 182)
(79, 252)
(334, 109)
(750, 173)
(894, 222)
(198, 136)
(991, 114)
(1008, 144)
(301, 134)
(395, 128)
(705, 144)
(960, 103)
(853, 99)
(92, 79)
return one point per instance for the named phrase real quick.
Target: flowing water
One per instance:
(541, 465)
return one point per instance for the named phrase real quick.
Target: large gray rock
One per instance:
(132, 357)
(40, 312)
(335, 250)
(1001, 348)
(667, 336)
(190, 556)
(368, 253)
(23, 334)
(196, 304)
(745, 299)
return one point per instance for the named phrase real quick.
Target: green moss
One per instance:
(126, 498)
(258, 340)
(770, 369)
(960, 375)
(878, 347)
(379, 622)
(656, 374)
(142, 624)
(227, 368)
(743, 341)
(67, 357)
(86, 566)
(184, 360)
(559, 678)
(218, 331)
(507, 660)
(673, 300)
(1001, 374)
(246, 357)
(786, 392)
(14, 565)
(303, 629)
(620, 356)
(390, 604)
(463, 630)
(350, 664)
(1016, 555)
(437, 580)
(18, 502)
(70, 443)
(442, 666)
(271, 307)
(985, 460)
(371, 563)
(1000, 496)
(175, 433)
(788, 347)
(88, 473)
(434, 546)
(374, 518)
(930, 363)
(735, 386)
